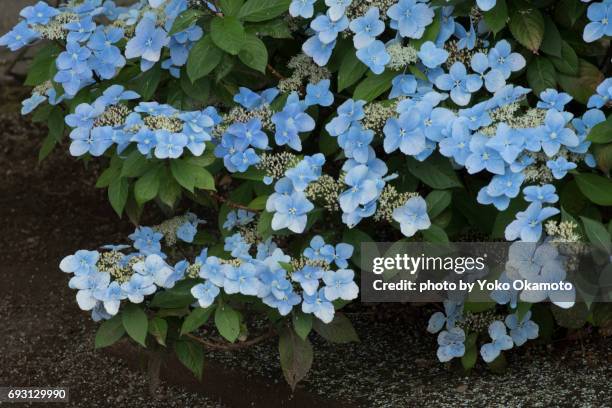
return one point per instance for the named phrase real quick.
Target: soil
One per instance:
(51, 209)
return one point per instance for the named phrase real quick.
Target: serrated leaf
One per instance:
(527, 26)
(254, 54)
(109, 332)
(295, 356)
(191, 355)
(568, 63)
(177, 297)
(497, 17)
(227, 321)
(196, 319)
(263, 10)
(135, 323)
(230, 7)
(203, 58)
(40, 70)
(185, 20)
(541, 75)
(228, 34)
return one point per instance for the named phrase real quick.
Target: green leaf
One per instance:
(437, 172)
(339, 330)
(254, 54)
(471, 352)
(40, 70)
(147, 187)
(169, 190)
(178, 297)
(541, 75)
(356, 237)
(135, 165)
(196, 319)
(190, 176)
(228, 34)
(527, 26)
(572, 318)
(583, 85)
(118, 191)
(191, 355)
(276, 29)
(146, 84)
(203, 58)
(602, 132)
(135, 323)
(551, 43)
(351, 71)
(263, 10)
(109, 332)
(568, 63)
(596, 188)
(264, 226)
(258, 203)
(295, 356)
(437, 201)
(198, 90)
(227, 321)
(567, 12)
(158, 328)
(47, 147)
(302, 324)
(185, 20)
(497, 17)
(435, 234)
(598, 234)
(374, 86)
(230, 7)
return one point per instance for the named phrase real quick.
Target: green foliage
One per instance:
(135, 323)
(340, 330)
(109, 332)
(191, 355)
(227, 321)
(295, 356)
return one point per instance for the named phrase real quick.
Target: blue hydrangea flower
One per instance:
(405, 133)
(302, 8)
(81, 263)
(111, 297)
(412, 216)
(504, 60)
(560, 166)
(403, 85)
(589, 120)
(157, 268)
(477, 116)
(451, 344)
(453, 312)
(114, 94)
(146, 240)
(459, 83)
(410, 17)
(138, 287)
(87, 286)
(237, 246)
(290, 122)
(447, 25)
(74, 79)
(80, 30)
(249, 134)
(340, 254)
(486, 5)
(467, 38)
(155, 109)
(186, 232)
(431, 55)
(146, 140)
(148, 41)
(366, 28)
(554, 134)
(214, 271)
(523, 329)
(375, 56)
(483, 157)
(363, 189)
(242, 279)
(528, 223)
(599, 15)
(33, 102)
(205, 293)
(509, 142)
(319, 94)
(508, 185)
(291, 212)
(318, 51)
(349, 112)
(305, 172)
(319, 305)
(327, 29)
(337, 8)
(603, 95)
(308, 277)
(356, 143)
(236, 218)
(553, 99)
(500, 341)
(40, 13)
(169, 145)
(493, 79)
(253, 100)
(543, 194)
(340, 285)
(457, 144)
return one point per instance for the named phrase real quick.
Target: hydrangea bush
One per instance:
(294, 130)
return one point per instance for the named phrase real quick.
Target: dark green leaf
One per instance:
(583, 85)
(169, 189)
(40, 70)
(295, 357)
(497, 17)
(203, 58)
(196, 319)
(147, 187)
(118, 191)
(602, 132)
(158, 328)
(230, 7)
(436, 172)
(135, 165)
(568, 63)
(228, 34)
(198, 90)
(135, 323)
(598, 234)
(527, 26)
(471, 352)
(227, 321)
(146, 84)
(596, 188)
(263, 10)
(109, 332)
(302, 324)
(437, 201)
(254, 54)
(541, 75)
(339, 330)
(276, 29)
(351, 71)
(551, 43)
(191, 355)
(178, 297)
(374, 86)
(185, 20)
(435, 234)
